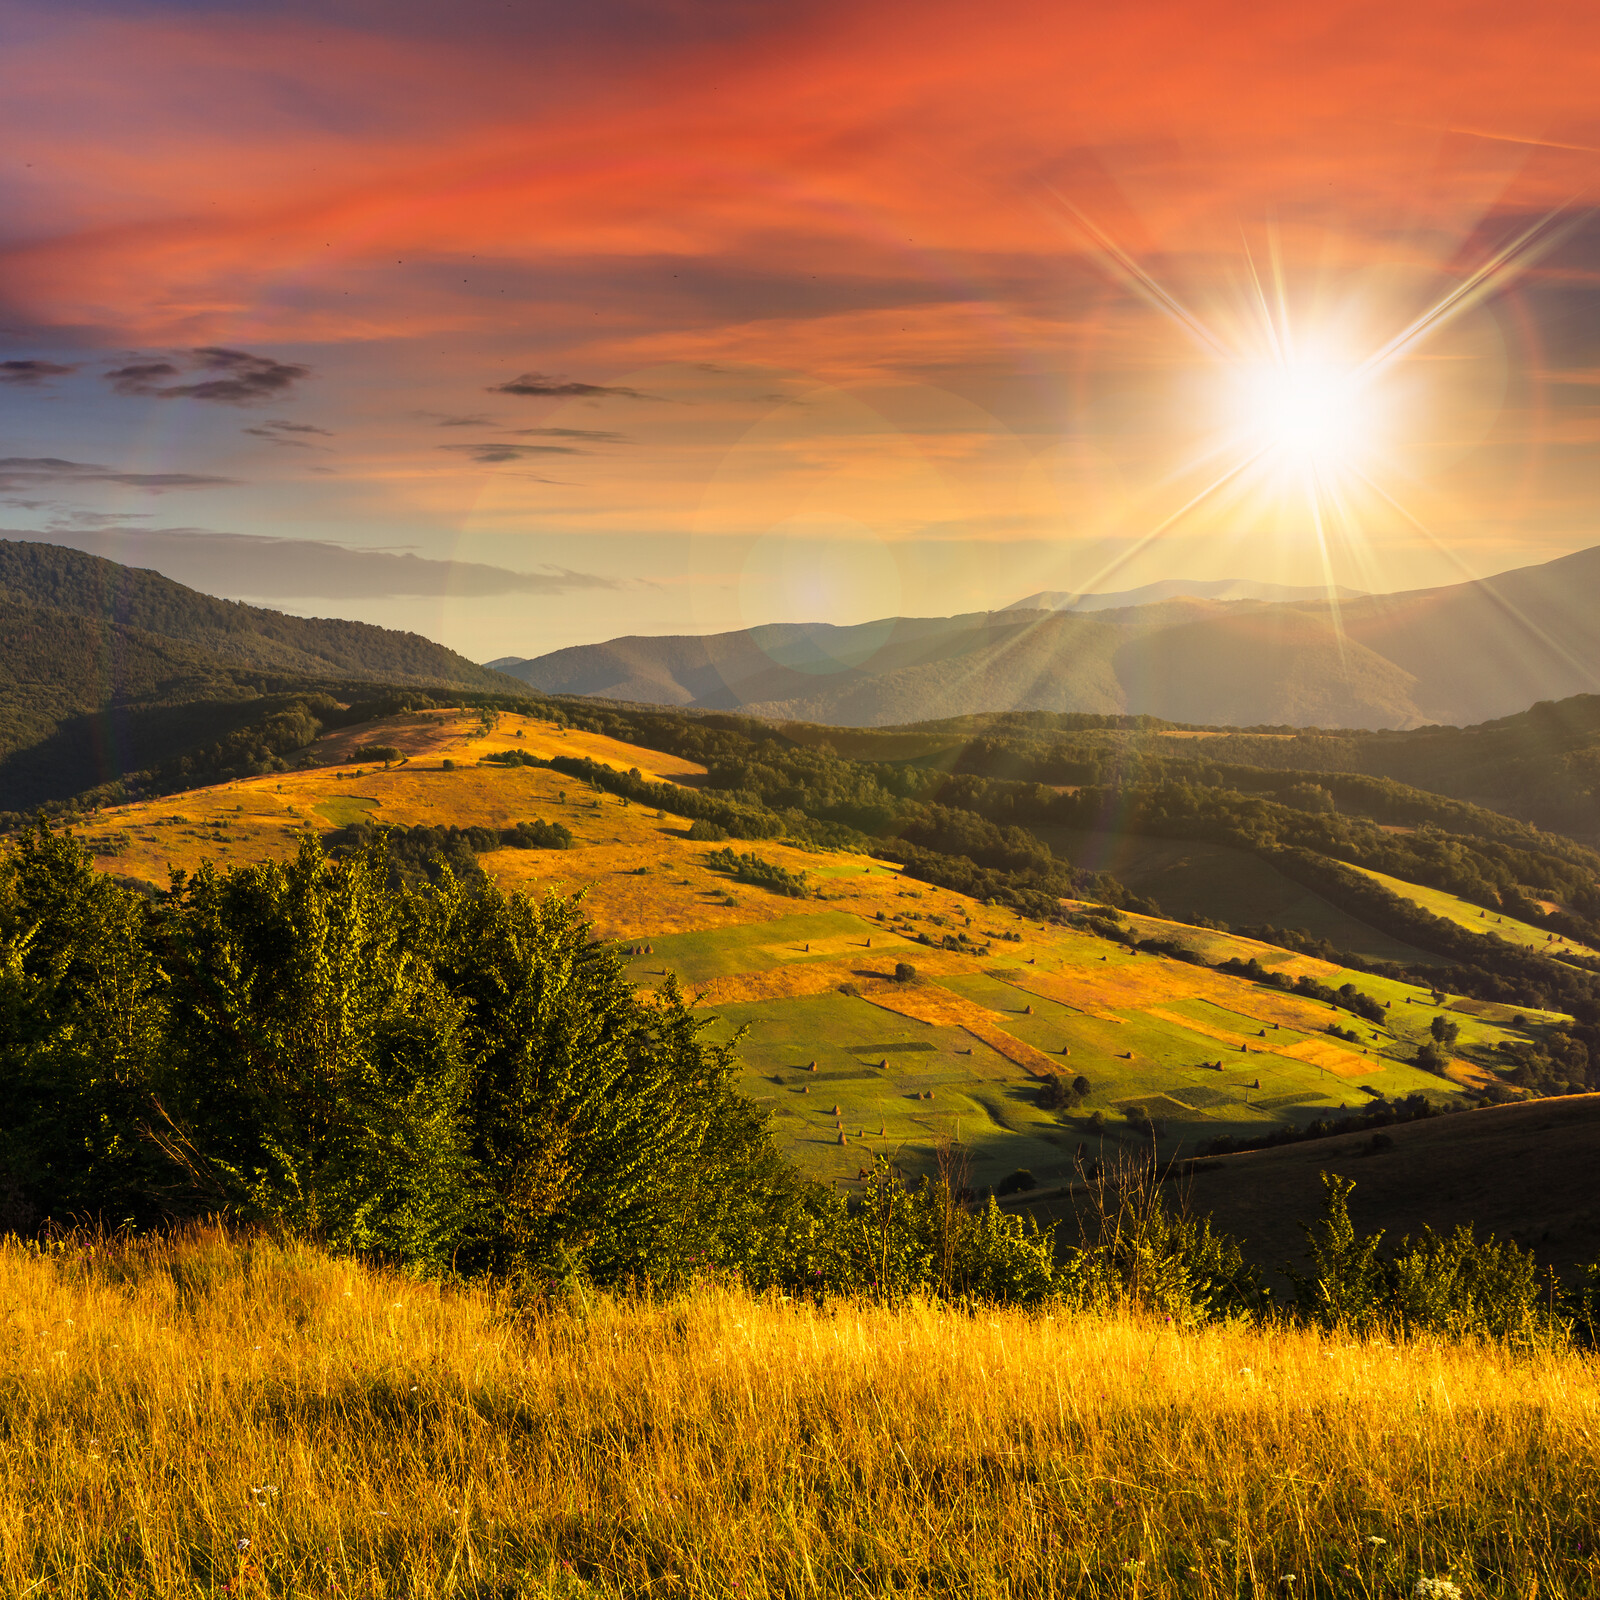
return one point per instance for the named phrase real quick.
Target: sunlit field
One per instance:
(219, 1416)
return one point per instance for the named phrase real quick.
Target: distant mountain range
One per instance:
(1176, 589)
(1461, 653)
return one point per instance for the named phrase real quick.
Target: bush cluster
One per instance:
(747, 867)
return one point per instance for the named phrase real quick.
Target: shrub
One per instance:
(386, 753)
(1431, 1058)
(537, 835)
(1019, 1182)
(703, 830)
(904, 972)
(1455, 1285)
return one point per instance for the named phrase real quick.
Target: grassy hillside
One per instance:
(961, 1052)
(241, 1416)
(1475, 919)
(1524, 1172)
(1194, 878)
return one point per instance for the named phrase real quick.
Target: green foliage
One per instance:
(747, 867)
(318, 1063)
(1142, 1253)
(606, 1137)
(537, 835)
(1455, 1286)
(703, 831)
(438, 1077)
(386, 753)
(1057, 1092)
(894, 1242)
(83, 1021)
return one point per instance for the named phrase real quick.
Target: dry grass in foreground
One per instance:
(218, 1415)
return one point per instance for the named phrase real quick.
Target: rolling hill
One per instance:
(1456, 654)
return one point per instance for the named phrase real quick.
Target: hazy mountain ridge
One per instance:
(1455, 654)
(1175, 589)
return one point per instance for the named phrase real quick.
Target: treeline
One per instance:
(1379, 1114)
(747, 867)
(1491, 867)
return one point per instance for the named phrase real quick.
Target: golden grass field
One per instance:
(1042, 999)
(215, 1416)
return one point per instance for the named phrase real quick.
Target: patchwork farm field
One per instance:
(849, 1060)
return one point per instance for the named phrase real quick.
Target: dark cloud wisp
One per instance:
(30, 472)
(30, 372)
(494, 452)
(243, 379)
(540, 385)
(286, 434)
(587, 435)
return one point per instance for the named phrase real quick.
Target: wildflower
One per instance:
(1374, 1542)
(264, 1492)
(244, 1544)
(1435, 1589)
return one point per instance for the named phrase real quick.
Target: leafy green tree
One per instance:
(316, 1070)
(1346, 1289)
(82, 1025)
(605, 1133)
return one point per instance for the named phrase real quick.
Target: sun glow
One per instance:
(1311, 412)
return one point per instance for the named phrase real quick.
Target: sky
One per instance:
(525, 325)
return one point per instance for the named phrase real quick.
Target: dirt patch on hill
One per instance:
(414, 733)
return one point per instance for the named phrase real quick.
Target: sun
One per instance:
(1312, 413)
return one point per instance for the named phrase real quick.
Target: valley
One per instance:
(848, 1062)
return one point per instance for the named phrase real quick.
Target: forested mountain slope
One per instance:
(114, 596)
(107, 671)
